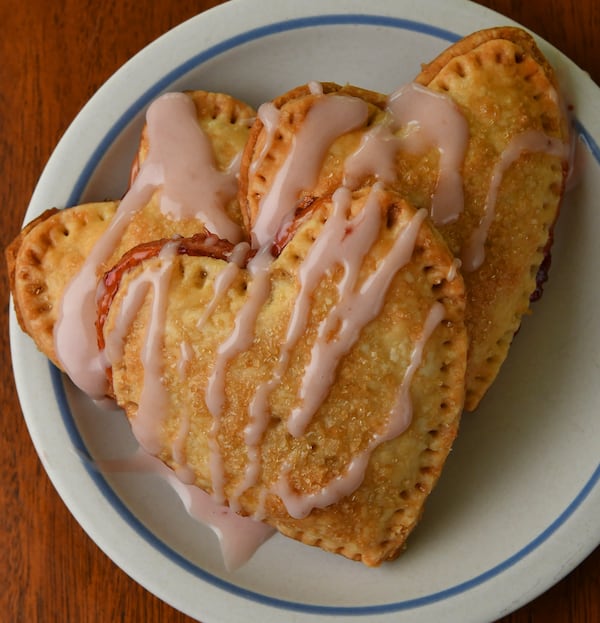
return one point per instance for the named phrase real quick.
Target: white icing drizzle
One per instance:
(177, 148)
(329, 117)
(300, 505)
(186, 353)
(529, 141)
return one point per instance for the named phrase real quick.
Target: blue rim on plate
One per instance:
(57, 379)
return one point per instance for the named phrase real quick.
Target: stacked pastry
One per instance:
(294, 305)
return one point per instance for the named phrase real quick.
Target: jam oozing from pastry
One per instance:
(180, 162)
(200, 244)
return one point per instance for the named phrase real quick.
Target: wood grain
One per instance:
(53, 57)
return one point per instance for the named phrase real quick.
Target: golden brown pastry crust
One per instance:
(372, 523)
(503, 86)
(44, 258)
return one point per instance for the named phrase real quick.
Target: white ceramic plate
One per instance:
(518, 504)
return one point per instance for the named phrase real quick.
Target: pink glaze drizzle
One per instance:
(153, 403)
(177, 145)
(300, 505)
(269, 116)
(239, 537)
(240, 339)
(343, 242)
(224, 279)
(375, 156)
(419, 119)
(346, 243)
(330, 248)
(433, 119)
(178, 448)
(330, 117)
(193, 186)
(529, 141)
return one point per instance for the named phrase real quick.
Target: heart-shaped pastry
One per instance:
(319, 390)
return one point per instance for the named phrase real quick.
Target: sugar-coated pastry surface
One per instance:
(514, 173)
(252, 439)
(184, 132)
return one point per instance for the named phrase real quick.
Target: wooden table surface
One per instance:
(53, 57)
